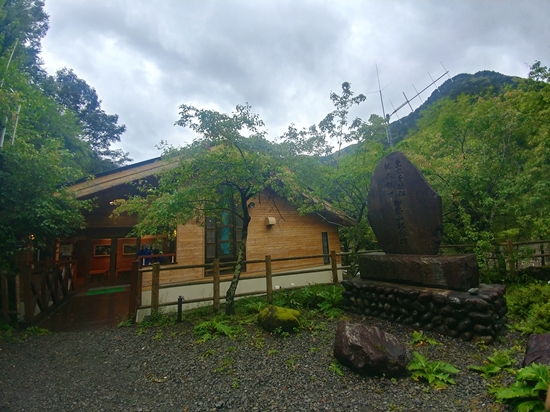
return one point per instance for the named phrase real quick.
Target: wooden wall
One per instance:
(291, 235)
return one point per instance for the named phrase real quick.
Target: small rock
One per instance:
(369, 350)
(473, 291)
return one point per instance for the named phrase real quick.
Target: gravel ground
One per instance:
(165, 369)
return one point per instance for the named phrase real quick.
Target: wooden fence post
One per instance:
(511, 264)
(26, 281)
(155, 283)
(334, 265)
(134, 291)
(216, 285)
(4, 296)
(268, 279)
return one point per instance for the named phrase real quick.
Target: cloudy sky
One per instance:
(283, 57)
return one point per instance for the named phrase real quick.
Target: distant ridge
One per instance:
(480, 83)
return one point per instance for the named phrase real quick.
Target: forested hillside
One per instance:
(52, 131)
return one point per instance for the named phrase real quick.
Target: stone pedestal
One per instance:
(455, 272)
(454, 313)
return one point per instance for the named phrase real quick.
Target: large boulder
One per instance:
(282, 319)
(369, 350)
(538, 350)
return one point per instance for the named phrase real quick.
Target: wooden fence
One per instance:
(136, 281)
(47, 288)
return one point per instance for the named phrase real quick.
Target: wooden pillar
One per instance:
(334, 265)
(134, 291)
(216, 285)
(26, 283)
(4, 296)
(112, 267)
(268, 279)
(155, 283)
(87, 261)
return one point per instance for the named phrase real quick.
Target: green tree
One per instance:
(23, 24)
(34, 209)
(488, 159)
(99, 129)
(335, 124)
(227, 165)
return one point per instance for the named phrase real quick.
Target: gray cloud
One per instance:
(283, 57)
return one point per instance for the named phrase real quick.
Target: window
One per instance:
(324, 241)
(223, 238)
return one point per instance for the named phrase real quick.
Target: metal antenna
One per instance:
(447, 71)
(433, 82)
(418, 94)
(394, 111)
(380, 91)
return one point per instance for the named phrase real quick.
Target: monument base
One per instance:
(454, 313)
(456, 272)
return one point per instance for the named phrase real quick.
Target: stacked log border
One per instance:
(479, 316)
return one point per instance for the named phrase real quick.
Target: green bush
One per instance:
(528, 392)
(529, 307)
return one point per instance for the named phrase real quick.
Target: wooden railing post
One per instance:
(26, 282)
(216, 285)
(155, 283)
(268, 279)
(4, 296)
(511, 264)
(334, 265)
(134, 291)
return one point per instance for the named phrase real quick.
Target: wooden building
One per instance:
(105, 253)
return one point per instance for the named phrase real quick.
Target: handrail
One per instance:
(136, 280)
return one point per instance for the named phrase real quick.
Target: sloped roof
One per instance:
(89, 187)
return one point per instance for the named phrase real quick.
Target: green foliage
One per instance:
(485, 156)
(210, 329)
(158, 319)
(500, 361)
(6, 331)
(529, 307)
(418, 338)
(325, 298)
(528, 392)
(335, 368)
(36, 331)
(436, 373)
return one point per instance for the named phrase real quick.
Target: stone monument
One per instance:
(410, 282)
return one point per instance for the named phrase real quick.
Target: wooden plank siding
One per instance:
(291, 235)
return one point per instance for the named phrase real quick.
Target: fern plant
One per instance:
(528, 392)
(495, 364)
(418, 339)
(210, 329)
(436, 373)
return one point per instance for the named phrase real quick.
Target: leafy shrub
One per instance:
(325, 298)
(529, 307)
(527, 393)
(436, 373)
(418, 339)
(500, 361)
(210, 329)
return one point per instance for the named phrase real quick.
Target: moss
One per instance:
(275, 317)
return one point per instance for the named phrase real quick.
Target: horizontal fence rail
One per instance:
(155, 269)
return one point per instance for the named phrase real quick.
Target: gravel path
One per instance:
(165, 369)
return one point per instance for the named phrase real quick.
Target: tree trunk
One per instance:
(230, 295)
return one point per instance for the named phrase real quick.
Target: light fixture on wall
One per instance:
(270, 221)
(251, 205)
